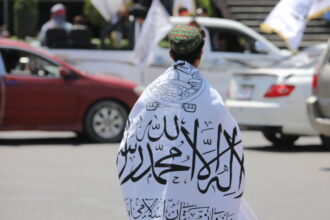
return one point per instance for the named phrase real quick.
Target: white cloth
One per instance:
(155, 27)
(289, 18)
(245, 212)
(57, 7)
(181, 156)
(318, 8)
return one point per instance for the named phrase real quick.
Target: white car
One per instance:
(245, 49)
(318, 105)
(273, 100)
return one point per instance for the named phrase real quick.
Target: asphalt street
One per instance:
(55, 176)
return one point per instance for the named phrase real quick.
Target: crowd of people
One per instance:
(127, 23)
(119, 32)
(58, 32)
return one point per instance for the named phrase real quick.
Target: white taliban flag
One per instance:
(318, 8)
(181, 156)
(155, 27)
(289, 18)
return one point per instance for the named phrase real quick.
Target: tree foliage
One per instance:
(92, 15)
(25, 18)
(206, 4)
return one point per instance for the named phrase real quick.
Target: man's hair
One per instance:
(189, 57)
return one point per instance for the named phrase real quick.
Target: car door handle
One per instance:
(12, 82)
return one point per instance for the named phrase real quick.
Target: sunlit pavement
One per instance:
(53, 175)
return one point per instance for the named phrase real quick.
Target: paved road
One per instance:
(55, 176)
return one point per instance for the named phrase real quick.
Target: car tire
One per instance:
(325, 140)
(105, 121)
(81, 136)
(279, 139)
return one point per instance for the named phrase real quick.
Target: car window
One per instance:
(19, 62)
(229, 40)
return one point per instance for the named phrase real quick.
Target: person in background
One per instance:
(117, 25)
(79, 23)
(189, 5)
(57, 20)
(137, 15)
(183, 11)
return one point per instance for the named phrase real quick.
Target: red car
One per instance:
(41, 92)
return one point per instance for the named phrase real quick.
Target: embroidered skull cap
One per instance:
(184, 39)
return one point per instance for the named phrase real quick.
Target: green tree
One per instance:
(206, 4)
(25, 18)
(92, 15)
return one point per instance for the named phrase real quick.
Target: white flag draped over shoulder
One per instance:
(155, 27)
(289, 18)
(181, 156)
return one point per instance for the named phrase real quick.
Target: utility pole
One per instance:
(5, 14)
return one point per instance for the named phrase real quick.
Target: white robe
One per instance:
(181, 157)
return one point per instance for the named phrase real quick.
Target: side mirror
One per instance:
(65, 73)
(260, 47)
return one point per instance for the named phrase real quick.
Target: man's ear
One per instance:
(200, 54)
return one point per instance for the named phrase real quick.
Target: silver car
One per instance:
(319, 104)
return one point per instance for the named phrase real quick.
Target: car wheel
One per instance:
(325, 140)
(105, 121)
(279, 139)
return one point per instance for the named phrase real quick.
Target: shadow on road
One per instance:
(74, 141)
(290, 149)
(325, 169)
